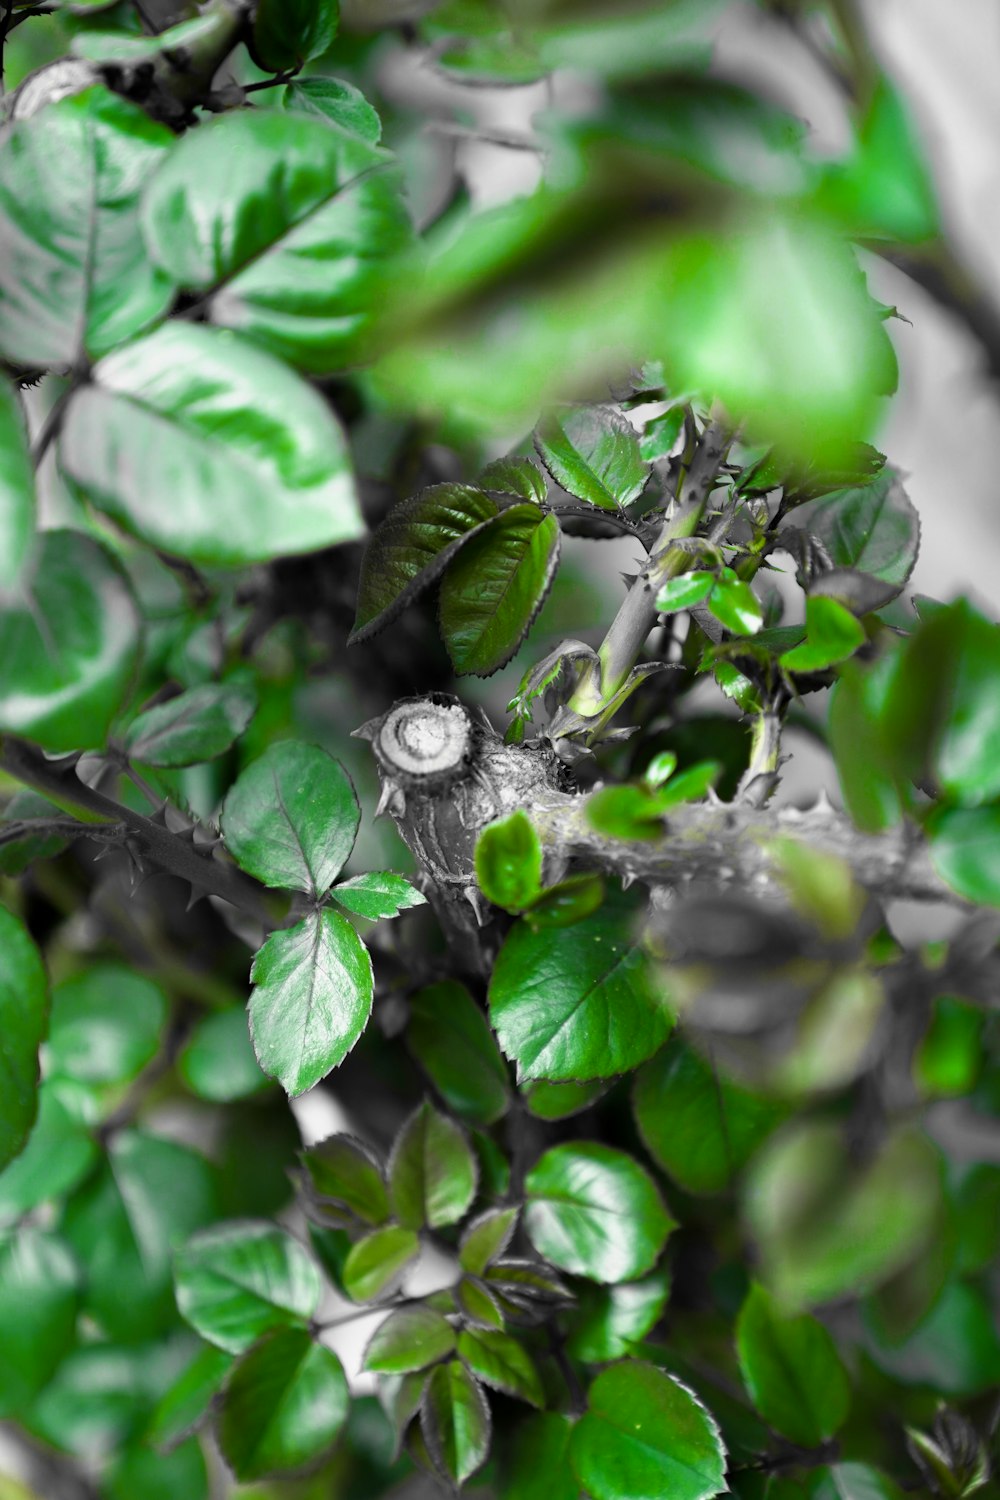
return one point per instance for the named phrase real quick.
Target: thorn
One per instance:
(712, 797)
(472, 895)
(627, 879)
(369, 729)
(391, 799)
(193, 898)
(822, 807)
(160, 815)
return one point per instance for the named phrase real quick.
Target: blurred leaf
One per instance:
(852, 1481)
(236, 1281)
(336, 102)
(24, 1019)
(376, 1262)
(821, 886)
(792, 1370)
(284, 1405)
(964, 846)
(137, 1470)
(501, 1362)
(107, 1024)
(509, 862)
(884, 189)
(410, 1339)
(209, 449)
(609, 1320)
(187, 1403)
(955, 1350)
(455, 1422)
(195, 726)
(17, 491)
(377, 895)
(451, 1039)
(858, 706)
(39, 1294)
(100, 1396)
(494, 587)
(432, 1171)
(217, 1061)
(593, 453)
(534, 1465)
(947, 1061)
(287, 33)
(60, 1149)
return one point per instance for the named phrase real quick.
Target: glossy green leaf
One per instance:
(376, 1263)
(60, 1151)
(346, 1172)
(455, 1422)
(197, 725)
(735, 605)
(209, 449)
(107, 1024)
(124, 1223)
(336, 102)
(609, 1320)
(283, 1407)
(187, 1403)
(311, 1000)
(645, 1434)
(698, 1124)
(534, 1464)
(70, 647)
(792, 1370)
(76, 280)
(576, 1003)
(494, 587)
(684, 592)
(380, 894)
(17, 492)
(964, 846)
(832, 635)
(593, 453)
(502, 1362)
(39, 1294)
(291, 818)
(432, 1171)
(238, 1280)
(592, 1210)
(217, 1061)
(873, 528)
(509, 862)
(289, 227)
(486, 1238)
(24, 1019)
(287, 33)
(451, 1039)
(410, 1339)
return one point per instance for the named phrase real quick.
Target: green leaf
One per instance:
(451, 1039)
(24, 1019)
(289, 227)
(311, 999)
(99, 1397)
(735, 605)
(689, 785)
(631, 811)
(375, 1263)
(477, 1304)
(17, 491)
(410, 1339)
(955, 1350)
(291, 818)
(69, 649)
(684, 592)
(335, 102)
(486, 1238)
(509, 862)
(593, 453)
(594, 1211)
(964, 846)
(946, 1064)
(494, 587)
(867, 778)
(661, 433)
(186, 1404)
(39, 1293)
(217, 1061)
(853, 1482)
(236, 1281)
(609, 1320)
(501, 1362)
(832, 635)
(515, 476)
(557, 1101)
(455, 1422)
(567, 902)
(136, 1470)
(107, 1024)
(645, 1434)
(380, 894)
(884, 189)
(76, 280)
(346, 1172)
(695, 1122)
(576, 1003)
(873, 528)
(195, 726)
(534, 1465)
(61, 1148)
(432, 1171)
(821, 886)
(287, 33)
(210, 450)
(283, 1407)
(17, 854)
(124, 1223)
(792, 1370)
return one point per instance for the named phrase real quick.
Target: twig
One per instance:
(52, 425)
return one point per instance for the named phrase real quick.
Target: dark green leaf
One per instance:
(455, 1422)
(494, 587)
(432, 1171)
(593, 453)
(137, 1470)
(608, 1320)
(376, 1263)
(576, 1003)
(377, 895)
(832, 635)
(645, 1434)
(347, 1172)
(61, 1148)
(684, 592)
(76, 280)
(289, 226)
(209, 449)
(514, 476)
(17, 491)
(451, 1039)
(964, 845)
(535, 1464)
(39, 1292)
(311, 999)
(592, 1210)
(409, 1339)
(336, 103)
(197, 725)
(238, 1280)
(287, 33)
(70, 647)
(24, 1018)
(186, 1404)
(792, 1370)
(501, 1362)
(107, 1024)
(866, 776)
(217, 1061)
(486, 1238)
(873, 528)
(283, 1407)
(853, 1482)
(695, 1122)
(509, 862)
(18, 853)
(292, 817)
(955, 1350)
